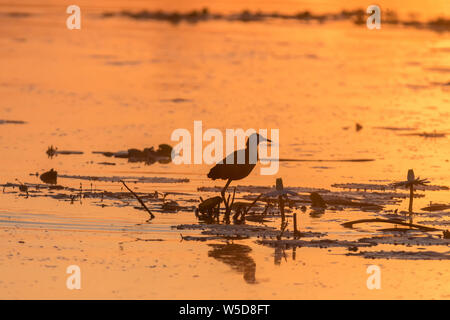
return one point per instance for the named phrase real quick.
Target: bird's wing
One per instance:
(237, 157)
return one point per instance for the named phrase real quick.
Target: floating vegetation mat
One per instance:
(403, 255)
(325, 243)
(357, 16)
(103, 198)
(335, 200)
(408, 240)
(384, 187)
(258, 223)
(127, 179)
(247, 231)
(436, 223)
(261, 189)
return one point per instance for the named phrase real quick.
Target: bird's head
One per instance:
(257, 139)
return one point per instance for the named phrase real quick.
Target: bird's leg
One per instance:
(225, 202)
(225, 188)
(232, 199)
(230, 204)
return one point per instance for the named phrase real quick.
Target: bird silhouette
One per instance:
(239, 164)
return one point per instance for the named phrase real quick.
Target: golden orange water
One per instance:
(119, 83)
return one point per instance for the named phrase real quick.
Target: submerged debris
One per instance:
(209, 206)
(317, 200)
(11, 122)
(396, 128)
(22, 187)
(49, 177)
(53, 151)
(242, 209)
(358, 127)
(69, 152)
(107, 163)
(149, 155)
(170, 206)
(427, 134)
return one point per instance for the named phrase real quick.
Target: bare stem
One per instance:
(139, 199)
(411, 197)
(296, 232)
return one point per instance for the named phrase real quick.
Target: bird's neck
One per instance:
(248, 149)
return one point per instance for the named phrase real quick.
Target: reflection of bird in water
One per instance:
(235, 255)
(229, 169)
(279, 254)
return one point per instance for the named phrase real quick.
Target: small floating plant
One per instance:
(281, 193)
(410, 183)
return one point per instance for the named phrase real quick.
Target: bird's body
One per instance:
(233, 170)
(236, 166)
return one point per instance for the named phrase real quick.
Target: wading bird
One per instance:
(233, 167)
